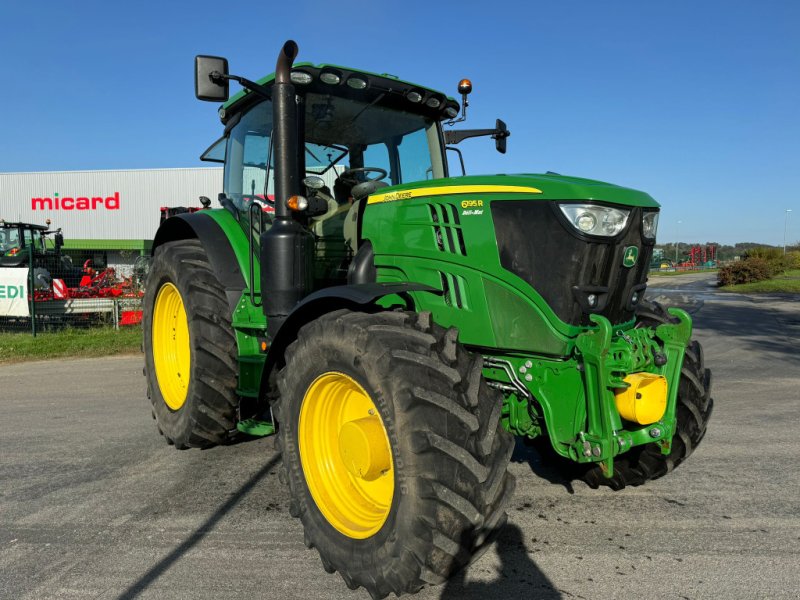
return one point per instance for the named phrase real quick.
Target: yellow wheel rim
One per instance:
(172, 355)
(345, 455)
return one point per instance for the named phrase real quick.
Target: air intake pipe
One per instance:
(287, 247)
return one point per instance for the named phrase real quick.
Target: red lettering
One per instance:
(41, 202)
(78, 203)
(112, 202)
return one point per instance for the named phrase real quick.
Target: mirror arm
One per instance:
(252, 86)
(455, 136)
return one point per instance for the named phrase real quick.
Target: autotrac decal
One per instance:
(76, 203)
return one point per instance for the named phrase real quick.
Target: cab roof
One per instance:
(379, 87)
(17, 225)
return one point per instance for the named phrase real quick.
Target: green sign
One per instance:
(630, 256)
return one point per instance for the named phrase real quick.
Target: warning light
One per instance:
(297, 203)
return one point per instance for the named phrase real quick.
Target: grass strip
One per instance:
(786, 283)
(71, 343)
(676, 273)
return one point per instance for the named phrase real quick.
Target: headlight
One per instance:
(592, 219)
(301, 77)
(650, 225)
(330, 77)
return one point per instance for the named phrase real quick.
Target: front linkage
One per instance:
(581, 414)
(606, 362)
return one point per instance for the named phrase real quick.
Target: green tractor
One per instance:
(398, 326)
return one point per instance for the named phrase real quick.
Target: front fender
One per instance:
(360, 296)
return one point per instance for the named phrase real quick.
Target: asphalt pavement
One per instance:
(94, 504)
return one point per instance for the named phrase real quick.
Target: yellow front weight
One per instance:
(346, 455)
(645, 400)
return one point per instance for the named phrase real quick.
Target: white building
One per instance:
(111, 216)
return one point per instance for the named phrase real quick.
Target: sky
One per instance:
(695, 102)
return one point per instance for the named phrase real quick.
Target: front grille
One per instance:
(564, 267)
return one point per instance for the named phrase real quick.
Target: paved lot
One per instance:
(93, 504)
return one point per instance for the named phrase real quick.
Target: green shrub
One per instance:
(793, 259)
(748, 270)
(768, 254)
(777, 261)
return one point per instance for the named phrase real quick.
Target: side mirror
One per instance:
(211, 78)
(59, 239)
(500, 136)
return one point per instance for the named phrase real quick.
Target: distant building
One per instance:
(109, 216)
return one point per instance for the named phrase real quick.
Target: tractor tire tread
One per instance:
(455, 460)
(209, 413)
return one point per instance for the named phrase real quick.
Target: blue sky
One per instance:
(695, 102)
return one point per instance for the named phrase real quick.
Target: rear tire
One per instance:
(643, 463)
(441, 425)
(181, 279)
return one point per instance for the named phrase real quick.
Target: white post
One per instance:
(785, 226)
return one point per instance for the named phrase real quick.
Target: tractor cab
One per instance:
(359, 132)
(16, 238)
(304, 148)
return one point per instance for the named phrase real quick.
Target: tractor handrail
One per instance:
(252, 276)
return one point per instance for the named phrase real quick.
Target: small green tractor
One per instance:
(397, 326)
(16, 241)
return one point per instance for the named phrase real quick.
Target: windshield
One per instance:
(9, 240)
(340, 134)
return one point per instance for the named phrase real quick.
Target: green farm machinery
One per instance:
(397, 326)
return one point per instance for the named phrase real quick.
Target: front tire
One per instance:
(190, 348)
(392, 448)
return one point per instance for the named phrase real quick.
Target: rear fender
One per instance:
(226, 253)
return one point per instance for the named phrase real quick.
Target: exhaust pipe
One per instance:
(284, 119)
(287, 247)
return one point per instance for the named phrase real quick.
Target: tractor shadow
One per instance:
(517, 576)
(162, 566)
(546, 464)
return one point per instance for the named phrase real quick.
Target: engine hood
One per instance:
(547, 186)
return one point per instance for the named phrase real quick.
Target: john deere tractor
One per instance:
(398, 326)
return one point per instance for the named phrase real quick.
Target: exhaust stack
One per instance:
(284, 118)
(287, 247)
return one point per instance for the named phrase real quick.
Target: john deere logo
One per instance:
(630, 256)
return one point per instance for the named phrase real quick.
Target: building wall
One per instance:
(104, 205)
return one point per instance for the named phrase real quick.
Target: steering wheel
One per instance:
(348, 176)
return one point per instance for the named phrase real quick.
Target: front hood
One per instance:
(547, 186)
